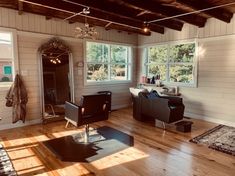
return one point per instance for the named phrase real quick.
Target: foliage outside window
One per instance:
(175, 63)
(106, 62)
(7, 70)
(6, 57)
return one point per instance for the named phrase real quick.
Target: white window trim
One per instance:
(129, 64)
(195, 63)
(15, 61)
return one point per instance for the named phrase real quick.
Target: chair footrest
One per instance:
(184, 126)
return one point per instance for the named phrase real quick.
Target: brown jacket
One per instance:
(17, 98)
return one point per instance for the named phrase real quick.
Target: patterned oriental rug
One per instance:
(221, 138)
(6, 167)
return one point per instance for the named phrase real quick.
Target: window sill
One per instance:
(193, 85)
(106, 83)
(5, 86)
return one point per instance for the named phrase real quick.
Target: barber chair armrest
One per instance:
(72, 111)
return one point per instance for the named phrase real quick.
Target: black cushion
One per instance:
(92, 108)
(152, 94)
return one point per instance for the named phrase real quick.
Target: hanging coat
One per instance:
(17, 98)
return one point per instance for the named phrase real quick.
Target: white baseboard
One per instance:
(38, 121)
(209, 119)
(19, 124)
(191, 115)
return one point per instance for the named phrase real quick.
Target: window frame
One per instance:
(168, 63)
(14, 60)
(128, 64)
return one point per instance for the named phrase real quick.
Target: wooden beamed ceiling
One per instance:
(218, 13)
(115, 9)
(158, 9)
(129, 15)
(95, 14)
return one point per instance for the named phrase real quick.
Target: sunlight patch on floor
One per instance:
(67, 133)
(124, 156)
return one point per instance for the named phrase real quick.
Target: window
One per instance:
(175, 63)
(106, 62)
(7, 70)
(6, 57)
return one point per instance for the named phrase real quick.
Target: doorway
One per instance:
(56, 79)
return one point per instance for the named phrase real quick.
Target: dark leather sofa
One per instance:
(167, 109)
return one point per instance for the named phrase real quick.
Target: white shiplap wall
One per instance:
(34, 30)
(213, 28)
(214, 98)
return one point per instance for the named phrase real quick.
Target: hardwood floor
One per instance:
(155, 152)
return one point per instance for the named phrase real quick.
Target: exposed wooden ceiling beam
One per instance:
(41, 11)
(129, 30)
(156, 7)
(95, 14)
(218, 13)
(20, 7)
(107, 25)
(9, 4)
(48, 17)
(172, 24)
(112, 8)
(71, 22)
(142, 13)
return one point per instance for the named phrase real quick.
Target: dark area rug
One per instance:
(104, 141)
(221, 138)
(6, 167)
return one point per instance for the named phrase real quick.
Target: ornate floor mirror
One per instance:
(56, 79)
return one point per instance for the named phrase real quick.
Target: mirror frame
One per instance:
(54, 43)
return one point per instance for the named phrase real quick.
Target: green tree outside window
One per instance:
(107, 62)
(174, 63)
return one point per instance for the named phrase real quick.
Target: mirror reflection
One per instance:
(56, 89)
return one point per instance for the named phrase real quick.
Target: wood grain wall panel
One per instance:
(0, 16)
(213, 28)
(28, 44)
(5, 17)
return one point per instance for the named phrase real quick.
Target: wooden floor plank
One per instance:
(155, 151)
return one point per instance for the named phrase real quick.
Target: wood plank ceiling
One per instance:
(130, 15)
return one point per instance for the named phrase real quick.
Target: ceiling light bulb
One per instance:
(146, 29)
